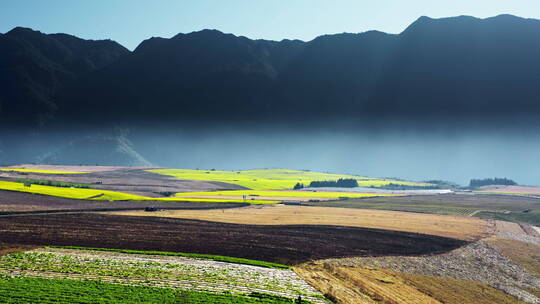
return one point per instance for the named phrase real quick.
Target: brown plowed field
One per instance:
(12, 202)
(284, 244)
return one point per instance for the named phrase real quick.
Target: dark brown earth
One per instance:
(135, 181)
(283, 244)
(16, 202)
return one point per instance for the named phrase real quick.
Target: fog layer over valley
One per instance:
(403, 151)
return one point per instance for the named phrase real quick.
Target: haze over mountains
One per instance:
(451, 68)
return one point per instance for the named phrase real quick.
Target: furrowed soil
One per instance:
(463, 228)
(286, 244)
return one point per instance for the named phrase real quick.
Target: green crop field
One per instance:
(273, 179)
(279, 194)
(41, 171)
(40, 290)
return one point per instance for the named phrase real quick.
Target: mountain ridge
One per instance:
(455, 68)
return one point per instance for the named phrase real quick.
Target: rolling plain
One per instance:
(158, 235)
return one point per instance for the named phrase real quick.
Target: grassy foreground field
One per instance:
(67, 291)
(463, 228)
(198, 278)
(273, 179)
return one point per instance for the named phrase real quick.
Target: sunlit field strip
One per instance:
(41, 171)
(273, 179)
(103, 195)
(261, 193)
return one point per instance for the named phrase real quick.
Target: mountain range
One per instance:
(450, 68)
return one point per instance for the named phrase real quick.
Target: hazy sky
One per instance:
(131, 21)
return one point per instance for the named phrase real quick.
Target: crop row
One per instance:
(40, 290)
(212, 257)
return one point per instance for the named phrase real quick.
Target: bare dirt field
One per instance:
(17, 202)
(463, 228)
(125, 179)
(289, 244)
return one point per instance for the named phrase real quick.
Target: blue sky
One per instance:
(131, 21)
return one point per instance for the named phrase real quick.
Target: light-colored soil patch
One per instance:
(348, 285)
(464, 228)
(160, 271)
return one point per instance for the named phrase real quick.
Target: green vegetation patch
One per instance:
(52, 183)
(40, 290)
(218, 258)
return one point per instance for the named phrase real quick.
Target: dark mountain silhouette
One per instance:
(451, 68)
(34, 67)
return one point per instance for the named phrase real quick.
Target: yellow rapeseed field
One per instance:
(273, 179)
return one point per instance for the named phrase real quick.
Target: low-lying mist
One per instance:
(402, 151)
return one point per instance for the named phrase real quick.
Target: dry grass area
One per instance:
(463, 228)
(525, 255)
(348, 285)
